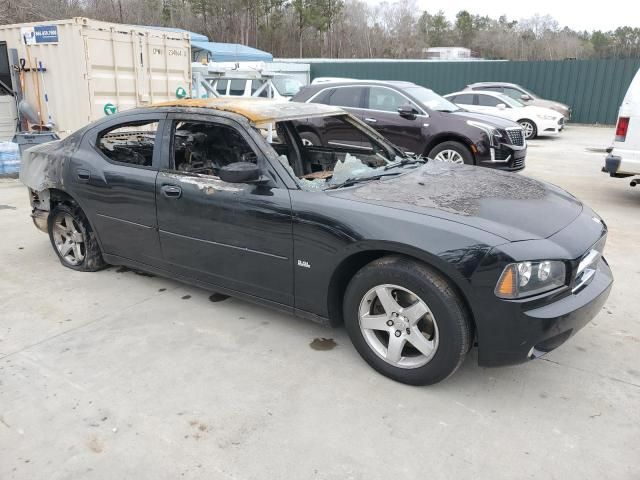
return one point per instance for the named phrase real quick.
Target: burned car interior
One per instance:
(200, 147)
(130, 143)
(344, 149)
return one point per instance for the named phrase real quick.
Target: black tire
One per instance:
(453, 323)
(458, 147)
(534, 128)
(90, 249)
(310, 138)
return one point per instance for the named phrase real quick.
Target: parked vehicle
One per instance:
(623, 159)
(420, 259)
(518, 92)
(421, 121)
(535, 121)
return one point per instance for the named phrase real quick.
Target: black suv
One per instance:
(421, 121)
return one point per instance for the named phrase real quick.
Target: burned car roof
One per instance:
(257, 110)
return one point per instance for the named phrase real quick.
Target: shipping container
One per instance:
(91, 69)
(8, 117)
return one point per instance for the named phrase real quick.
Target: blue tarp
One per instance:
(229, 52)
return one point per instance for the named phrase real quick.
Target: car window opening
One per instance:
(204, 148)
(131, 143)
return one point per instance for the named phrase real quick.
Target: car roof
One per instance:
(345, 82)
(257, 110)
(482, 92)
(497, 84)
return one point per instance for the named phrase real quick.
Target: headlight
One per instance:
(548, 117)
(530, 278)
(493, 133)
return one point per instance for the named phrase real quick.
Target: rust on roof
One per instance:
(257, 110)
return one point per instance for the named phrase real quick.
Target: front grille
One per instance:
(516, 136)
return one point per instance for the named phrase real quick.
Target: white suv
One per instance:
(624, 155)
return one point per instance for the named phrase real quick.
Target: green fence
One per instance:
(593, 88)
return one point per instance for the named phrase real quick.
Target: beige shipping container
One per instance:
(94, 66)
(8, 118)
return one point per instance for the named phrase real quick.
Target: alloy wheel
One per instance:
(398, 326)
(68, 240)
(528, 129)
(450, 156)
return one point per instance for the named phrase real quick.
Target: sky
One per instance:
(578, 15)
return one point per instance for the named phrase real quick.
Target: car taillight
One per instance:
(621, 129)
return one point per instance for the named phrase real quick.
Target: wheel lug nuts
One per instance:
(390, 323)
(398, 333)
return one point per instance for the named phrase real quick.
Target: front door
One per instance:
(115, 185)
(381, 113)
(236, 236)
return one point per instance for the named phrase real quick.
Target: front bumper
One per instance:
(550, 127)
(505, 157)
(532, 332)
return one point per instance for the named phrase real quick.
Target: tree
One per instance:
(435, 28)
(465, 28)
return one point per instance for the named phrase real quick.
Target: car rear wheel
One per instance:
(406, 321)
(530, 129)
(73, 240)
(451, 152)
(310, 139)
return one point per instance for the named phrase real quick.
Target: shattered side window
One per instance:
(130, 143)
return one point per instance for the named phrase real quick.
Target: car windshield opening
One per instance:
(431, 99)
(327, 151)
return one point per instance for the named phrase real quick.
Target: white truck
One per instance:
(623, 159)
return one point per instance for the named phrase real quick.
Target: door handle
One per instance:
(83, 174)
(171, 191)
(370, 120)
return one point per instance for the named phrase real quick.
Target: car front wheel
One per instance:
(406, 321)
(73, 239)
(530, 130)
(451, 152)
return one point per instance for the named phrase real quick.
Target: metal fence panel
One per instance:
(593, 88)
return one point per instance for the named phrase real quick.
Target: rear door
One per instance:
(465, 100)
(487, 104)
(237, 236)
(381, 113)
(113, 176)
(331, 131)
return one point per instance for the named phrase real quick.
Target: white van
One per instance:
(624, 155)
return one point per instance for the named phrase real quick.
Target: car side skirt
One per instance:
(118, 260)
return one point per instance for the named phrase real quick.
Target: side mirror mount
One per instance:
(501, 106)
(241, 172)
(525, 97)
(407, 111)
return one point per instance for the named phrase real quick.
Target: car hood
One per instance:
(494, 121)
(509, 205)
(539, 102)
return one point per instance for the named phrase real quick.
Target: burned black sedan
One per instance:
(419, 259)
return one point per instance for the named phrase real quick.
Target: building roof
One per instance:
(231, 52)
(257, 110)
